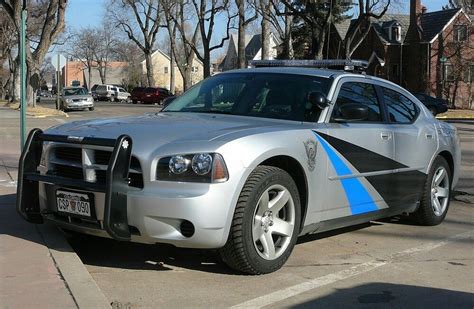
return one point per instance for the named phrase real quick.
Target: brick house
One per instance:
(430, 52)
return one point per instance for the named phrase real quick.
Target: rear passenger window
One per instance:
(361, 93)
(400, 108)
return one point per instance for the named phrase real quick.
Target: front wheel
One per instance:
(436, 195)
(266, 223)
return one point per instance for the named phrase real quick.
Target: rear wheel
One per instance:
(91, 108)
(134, 101)
(265, 224)
(435, 201)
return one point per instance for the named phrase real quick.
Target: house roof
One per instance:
(432, 24)
(388, 20)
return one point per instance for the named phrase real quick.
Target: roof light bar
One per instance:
(338, 64)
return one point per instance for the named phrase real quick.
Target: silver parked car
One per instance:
(76, 98)
(246, 161)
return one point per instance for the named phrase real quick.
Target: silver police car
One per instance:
(245, 162)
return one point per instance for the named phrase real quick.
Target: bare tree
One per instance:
(207, 11)
(243, 23)
(8, 41)
(105, 42)
(359, 29)
(265, 7)
(82, 48)
(45, 24)
(140, 20)
(183, 41)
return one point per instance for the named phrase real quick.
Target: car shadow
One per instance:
(103, 252)
(388, 295)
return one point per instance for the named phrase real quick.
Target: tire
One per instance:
(91, 108)
(437, 188)
(254, 227)
(112, 99)
(134, 101)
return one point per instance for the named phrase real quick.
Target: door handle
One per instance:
(429, 136)
(386, 136)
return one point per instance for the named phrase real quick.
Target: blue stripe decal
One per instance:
(359, 199)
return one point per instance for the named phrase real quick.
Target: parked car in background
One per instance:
(154, 95)
(122, 95)
(105, 93)
(435, 105)
(137, 94)
(93, 92)
(43, 94)
(76, 98)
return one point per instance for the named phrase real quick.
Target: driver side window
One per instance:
(359, 93)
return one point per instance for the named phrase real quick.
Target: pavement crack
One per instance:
(7, 171)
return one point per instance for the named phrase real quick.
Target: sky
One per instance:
(84, 13)
(89, 13)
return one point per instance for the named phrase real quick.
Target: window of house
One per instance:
(166, 70)
(469, 74)
(397, 33)
(460, 33)
(400, 108)
(361, 93)
(395, 70)
(448, 72)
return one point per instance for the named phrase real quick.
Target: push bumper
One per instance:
(115, 219)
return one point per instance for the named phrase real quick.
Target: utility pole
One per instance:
(58, 75)
(24, 13)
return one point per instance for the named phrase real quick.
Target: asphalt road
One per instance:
(382, 264)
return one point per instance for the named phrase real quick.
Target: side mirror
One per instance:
(168, 100)
(352, 112)
(317, 100)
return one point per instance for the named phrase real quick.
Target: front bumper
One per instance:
(79, 105)
(182, 214)
(115, 221)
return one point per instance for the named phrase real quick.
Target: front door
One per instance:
(360, 155)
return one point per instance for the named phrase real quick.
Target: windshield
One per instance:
(267, 95)
(75, 91)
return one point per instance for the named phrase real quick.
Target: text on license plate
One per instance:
(74, 203)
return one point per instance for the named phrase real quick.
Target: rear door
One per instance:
(415, 143)
(360, 154)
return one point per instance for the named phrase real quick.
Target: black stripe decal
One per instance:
(362, 159)
(395, 188)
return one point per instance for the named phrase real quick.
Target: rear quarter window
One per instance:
(400, 108)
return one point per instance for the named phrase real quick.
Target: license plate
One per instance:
(73, 203)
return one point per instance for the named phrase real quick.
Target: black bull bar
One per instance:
(115, 220)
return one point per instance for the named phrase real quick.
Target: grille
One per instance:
(69, 154)
(69, 172)
(70, 165)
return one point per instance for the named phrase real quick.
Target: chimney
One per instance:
(414, 31)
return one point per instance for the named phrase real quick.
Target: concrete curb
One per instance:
(84, 289)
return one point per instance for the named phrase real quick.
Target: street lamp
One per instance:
(24, 13)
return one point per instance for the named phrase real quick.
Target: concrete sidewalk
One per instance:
(38, 268)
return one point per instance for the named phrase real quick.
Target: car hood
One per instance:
(161, 128)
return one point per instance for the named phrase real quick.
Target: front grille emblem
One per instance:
(125, 144)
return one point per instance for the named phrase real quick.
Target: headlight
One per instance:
(68, 100)
(178, 165)
(90, 99)
(202, 163)
(201, 167)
